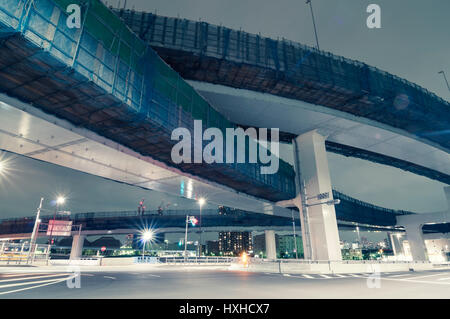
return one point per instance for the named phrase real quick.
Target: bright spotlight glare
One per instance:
(201, 201)
(2, 167)
(147, 235)
(60, 200)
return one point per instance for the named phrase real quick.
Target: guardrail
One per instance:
(327, 262)
(186, 261)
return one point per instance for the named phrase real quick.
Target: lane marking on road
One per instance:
(356, 276)
(402, 275)
(308, 276)
(286, 275)
(32, 277)
(325, 276)
(434, 275)
(46, 284)
(28, 283)
(339, 275)
(109, 277)
(413, 280)
(151, 275)
(440, 279)
(24, 274)
(89, 275)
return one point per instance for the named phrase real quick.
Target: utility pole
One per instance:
(185, 237)
(295, 236)
(34, 233)
(314, 23)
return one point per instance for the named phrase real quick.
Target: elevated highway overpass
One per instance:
(350, 214)
(261, 82)
(100, 100)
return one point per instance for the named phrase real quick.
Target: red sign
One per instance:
(59, 227)
(103, 248)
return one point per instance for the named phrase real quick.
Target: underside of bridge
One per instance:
(365, 112)
(99, 99)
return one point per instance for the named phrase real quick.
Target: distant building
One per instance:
(233, 243)
(285, 245)
(212, 247)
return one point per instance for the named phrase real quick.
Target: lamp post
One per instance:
(445, 78)
(34, 233)
(185, 237)
(147, 235)
(314, 23)
(59, 201)
(201, 202)
(295, 237)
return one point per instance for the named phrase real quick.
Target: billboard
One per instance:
(59, 227)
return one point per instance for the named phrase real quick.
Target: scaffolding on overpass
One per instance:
(281, 67)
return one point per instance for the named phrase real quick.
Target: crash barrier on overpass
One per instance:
(292, 266)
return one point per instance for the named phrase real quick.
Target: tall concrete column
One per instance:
(321, 240)
(271, 246)
(396, 243)
(416, 242)
(77, 247)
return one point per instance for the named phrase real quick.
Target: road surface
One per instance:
(210, 282)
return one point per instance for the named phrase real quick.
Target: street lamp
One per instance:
(314, 23)
(60, 200)
(445, 78)
(147, 235)
(201, 202)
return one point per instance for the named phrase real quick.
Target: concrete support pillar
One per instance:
(77, 247)
(396, 243)
(416, 242)
(271, 247)
(321, 236)
(447, 196)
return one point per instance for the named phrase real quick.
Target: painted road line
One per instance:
(356, 276)
(28, 283)
(402, 275)
(109, 277)
(325, 276)
(440, 279)
(308, 276)
(151, 275)
(32, 277)
(23, 274)
(286, 275)
(434, 275)
(46, 284)
(341, 276)
(414, 281)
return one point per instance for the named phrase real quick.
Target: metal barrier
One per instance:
(197, 260)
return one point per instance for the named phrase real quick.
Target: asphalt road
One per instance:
(141, 282)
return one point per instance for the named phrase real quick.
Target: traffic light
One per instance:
(193, 220)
